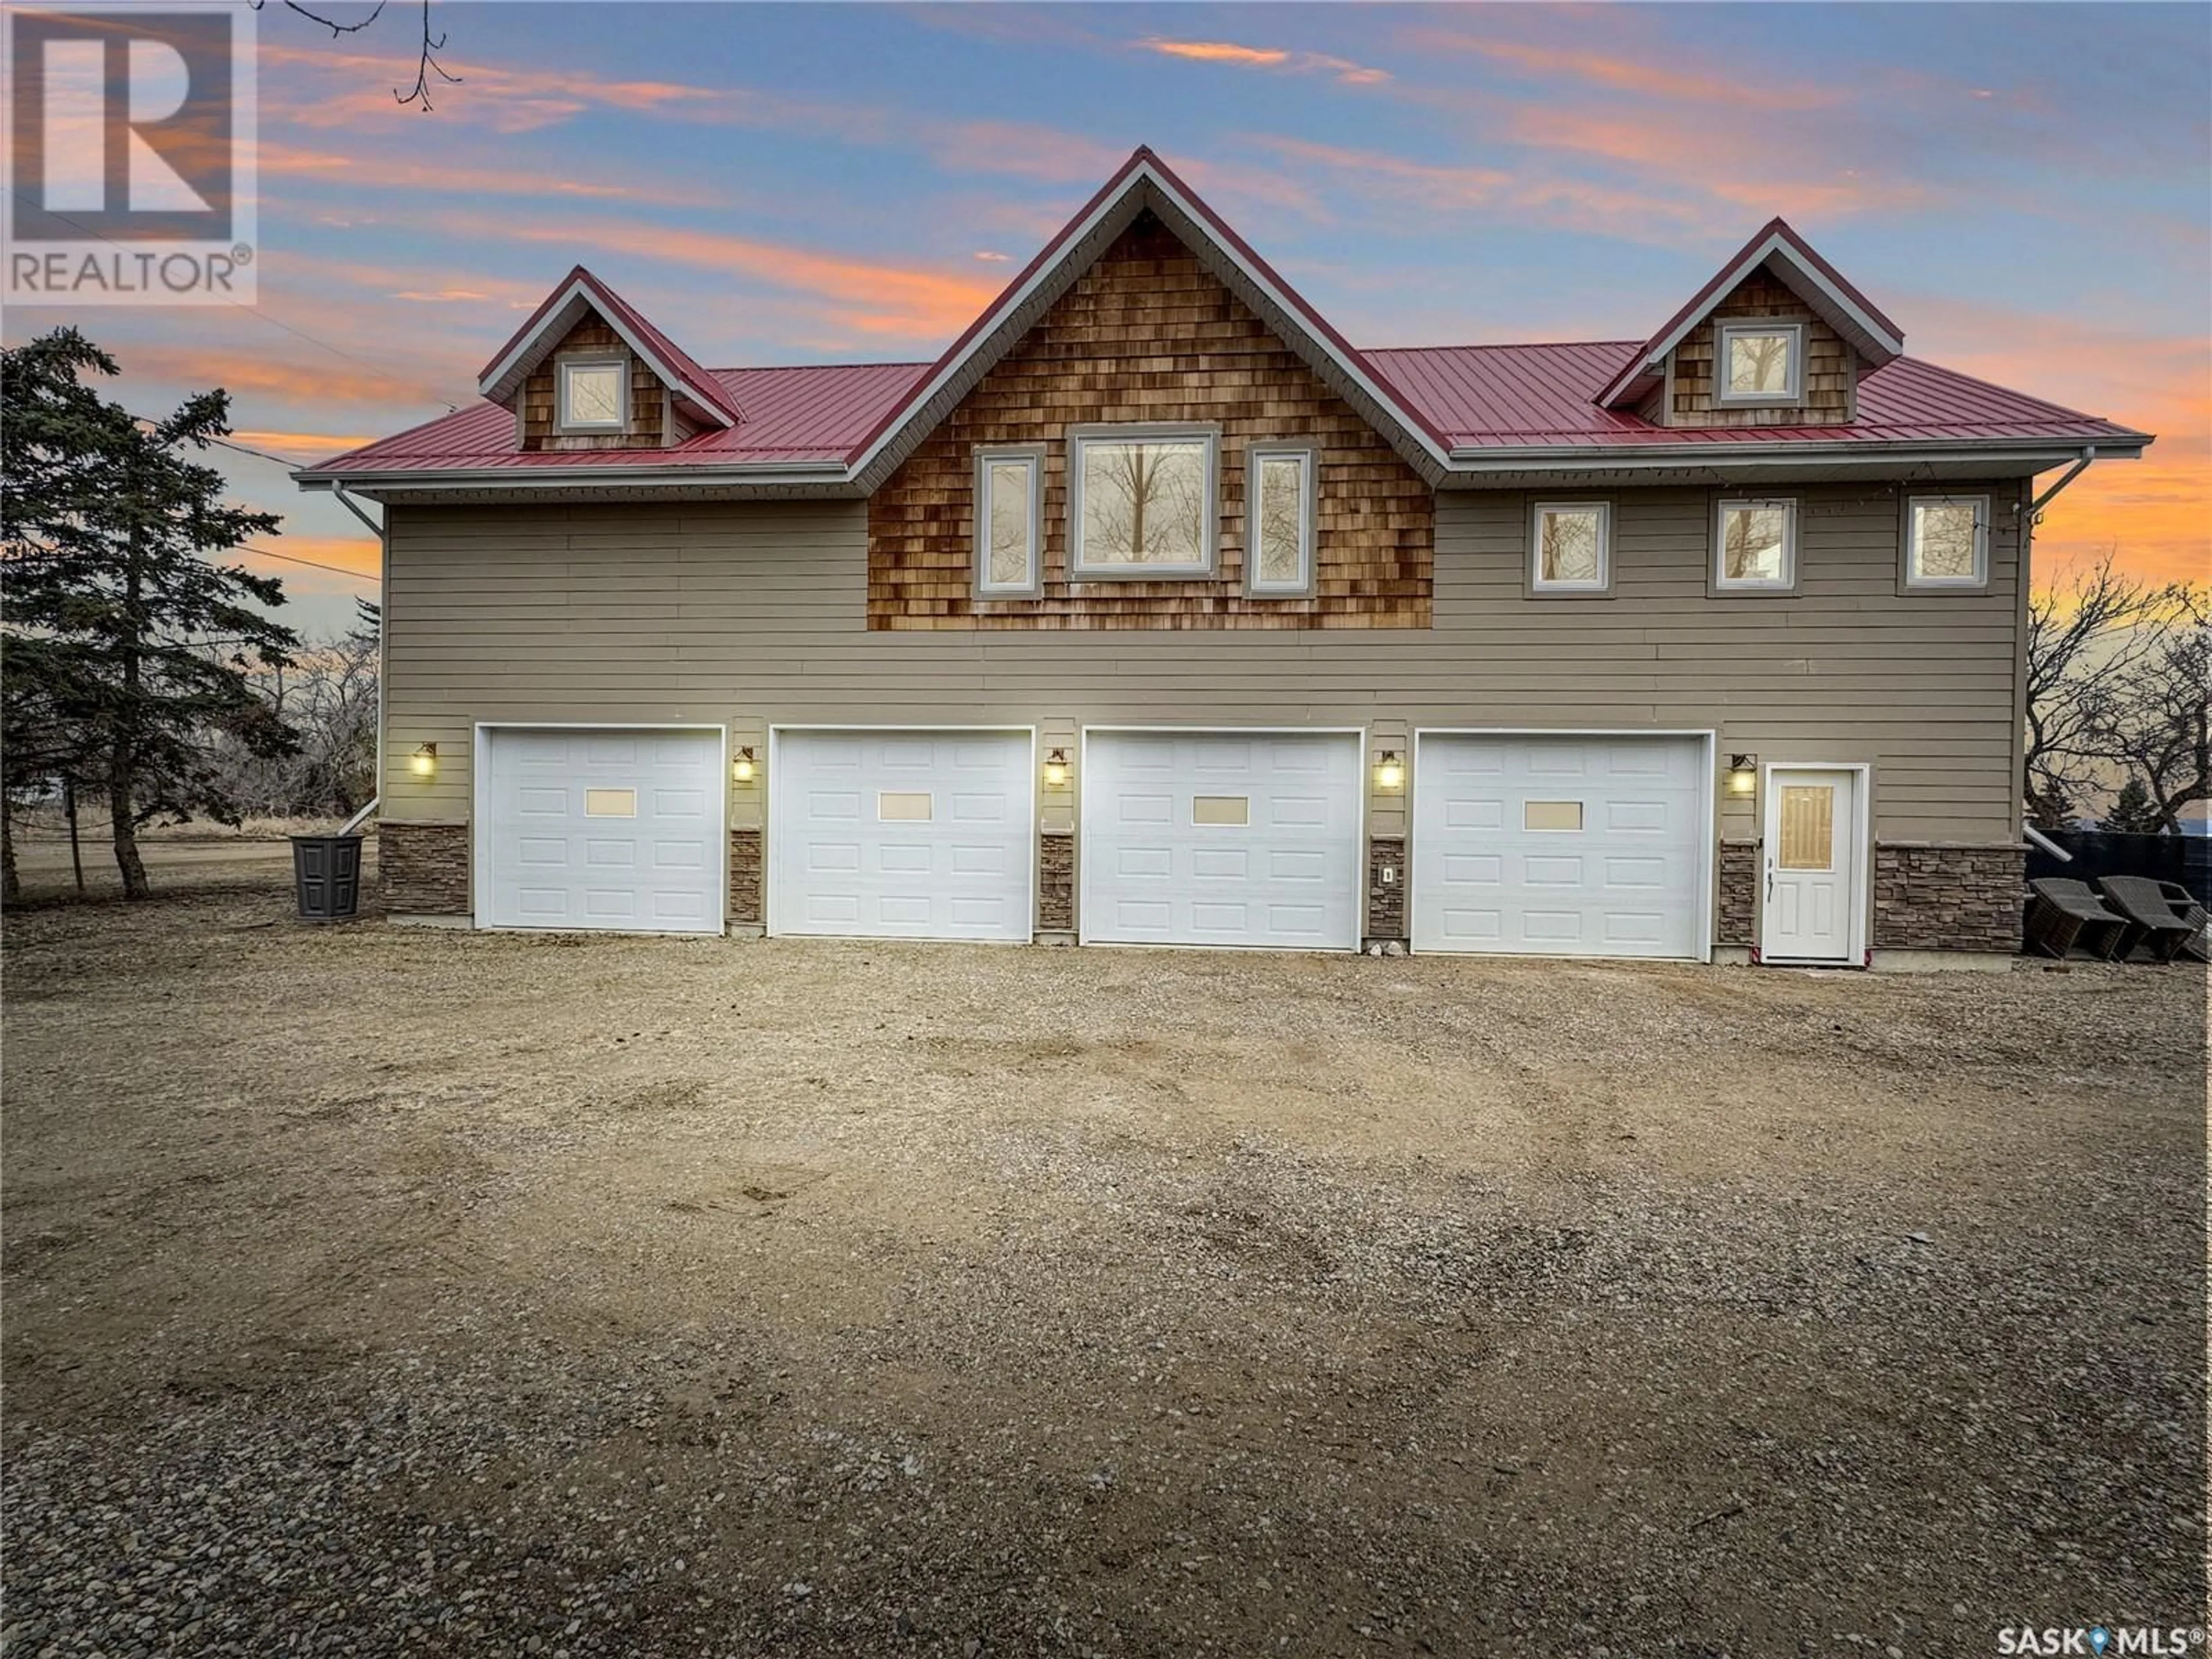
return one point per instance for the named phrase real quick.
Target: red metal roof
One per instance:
(816, 413)
(1498, 397)
(1517, 397)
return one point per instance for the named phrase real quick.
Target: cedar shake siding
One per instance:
(648, 398)
(749, 614)
(1148, 335)
(1830, 367)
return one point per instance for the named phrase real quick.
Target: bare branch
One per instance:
(336, 28)
(427, 65)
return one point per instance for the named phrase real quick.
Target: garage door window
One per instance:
(1221, 809)
(902, 806)
(1142, 500)
(1552, 815)
(610, 803)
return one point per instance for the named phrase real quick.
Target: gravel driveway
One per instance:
(375, 1290)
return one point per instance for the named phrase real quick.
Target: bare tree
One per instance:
(2085, 635)
(427, 47)
(2155, 717)
(326, 698)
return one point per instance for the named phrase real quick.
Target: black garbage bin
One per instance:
(326, 871)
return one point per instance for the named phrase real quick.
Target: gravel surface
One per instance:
(373, 1290)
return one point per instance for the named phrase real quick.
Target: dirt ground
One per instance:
(376, 1290)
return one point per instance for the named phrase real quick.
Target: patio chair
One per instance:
(2152, 921)
(2199, 942)
(2064, 913)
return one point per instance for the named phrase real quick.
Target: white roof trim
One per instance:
(1144, 174)
(1653, 361)
(498, 381)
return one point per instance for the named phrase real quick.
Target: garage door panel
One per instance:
(1559, 844)
(902, 835)
(1222, 839)
(586, 829)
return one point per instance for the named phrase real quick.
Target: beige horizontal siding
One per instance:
(755, 614)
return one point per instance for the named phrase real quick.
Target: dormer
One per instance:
(588, 371)
(1778, 338)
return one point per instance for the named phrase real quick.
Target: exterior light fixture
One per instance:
(423, 762)
(743, 769)
(1389, 772)
(1055, 769)
(1742, 775)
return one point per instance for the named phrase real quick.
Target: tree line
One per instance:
(2119, 684)
(136, 665)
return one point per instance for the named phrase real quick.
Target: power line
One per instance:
(293, 558)
(269, 318)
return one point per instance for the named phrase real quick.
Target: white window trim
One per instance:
(1308, 454)
(1792, 393)
(1723, 582)
(562, 419)
(1537, 583)
(1032, 456)
(1976, 583)
(1209, 527)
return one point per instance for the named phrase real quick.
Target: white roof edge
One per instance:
(1143, 173)
(577, 290)
(1730, 280)
(1596, 458)
(531, 477)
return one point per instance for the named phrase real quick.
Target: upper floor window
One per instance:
(1947, 541)
(1759, 364)
(1142, 500)
(1009, 514)
(1571, 547)
(1755, 546)
(594, 393)
(1280, 507)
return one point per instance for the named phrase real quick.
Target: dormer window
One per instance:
(1759, 364)
(594, 393)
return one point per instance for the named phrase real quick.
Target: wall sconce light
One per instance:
(1742, 775)
(1055, 769)
(423, 762)
(743, 768)
(1389, 772)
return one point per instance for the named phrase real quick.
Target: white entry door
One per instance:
(1562, 843)
(1812, 860)
(902, 835)
(1230, 838)
(619, 829)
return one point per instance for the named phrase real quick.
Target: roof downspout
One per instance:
(383, 565)
(2035, 837)
(2029, 516)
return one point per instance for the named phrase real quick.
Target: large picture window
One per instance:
(1142, 500)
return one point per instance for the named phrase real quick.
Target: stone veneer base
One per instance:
(423, 866)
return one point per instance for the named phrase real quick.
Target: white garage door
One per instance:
(1560, 845)
(620, 830)
(1222, 838)
(902, 835)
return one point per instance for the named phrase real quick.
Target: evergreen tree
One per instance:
(2133, 812)
(124, 640)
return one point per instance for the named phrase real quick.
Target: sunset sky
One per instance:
(2024, 190)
